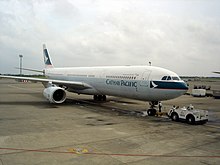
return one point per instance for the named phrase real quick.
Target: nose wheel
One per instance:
(152, 110)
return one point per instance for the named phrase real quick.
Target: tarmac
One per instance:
(81, 131)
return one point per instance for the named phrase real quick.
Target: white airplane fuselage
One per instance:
(136, 82)
(146, 83)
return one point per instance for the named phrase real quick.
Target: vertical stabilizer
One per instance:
(47, 60)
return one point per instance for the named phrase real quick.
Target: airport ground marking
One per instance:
(78, 150)
(105, 154)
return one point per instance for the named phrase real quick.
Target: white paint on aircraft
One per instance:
(146, 83)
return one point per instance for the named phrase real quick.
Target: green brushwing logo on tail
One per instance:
(47, 60)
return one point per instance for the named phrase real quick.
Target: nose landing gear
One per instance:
(152, 110)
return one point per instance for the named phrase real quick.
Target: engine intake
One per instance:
(55, 94)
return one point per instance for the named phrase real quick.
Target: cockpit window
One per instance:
(164, 78)
(176, 78)
(170, 78)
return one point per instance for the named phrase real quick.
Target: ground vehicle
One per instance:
(189, 114)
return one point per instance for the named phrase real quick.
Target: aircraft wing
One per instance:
(71, 84)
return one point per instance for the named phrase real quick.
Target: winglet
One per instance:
(47, 60)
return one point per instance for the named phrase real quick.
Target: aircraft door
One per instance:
(145, 78)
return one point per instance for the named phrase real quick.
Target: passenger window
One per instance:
(164, 78)
(168, 78)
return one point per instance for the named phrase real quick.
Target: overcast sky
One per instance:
(180, 35)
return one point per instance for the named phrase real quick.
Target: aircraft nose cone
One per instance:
(184, 87)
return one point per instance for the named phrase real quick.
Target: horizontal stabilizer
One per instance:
(32, 70)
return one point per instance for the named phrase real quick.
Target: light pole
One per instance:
(20, 64)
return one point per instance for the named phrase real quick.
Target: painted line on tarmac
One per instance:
(107, 154)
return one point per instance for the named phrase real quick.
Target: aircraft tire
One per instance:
(104, 97)
(95, 97)
(151, 112)
(99, 97)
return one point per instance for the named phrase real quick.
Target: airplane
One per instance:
(147, 83)
(216, 72)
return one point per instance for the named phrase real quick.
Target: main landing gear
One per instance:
(99, 97)
(152, 110)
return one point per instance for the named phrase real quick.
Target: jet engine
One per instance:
(55, 94)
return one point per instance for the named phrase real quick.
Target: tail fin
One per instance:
(47, 60)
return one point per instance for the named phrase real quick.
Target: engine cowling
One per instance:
(55, 94)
